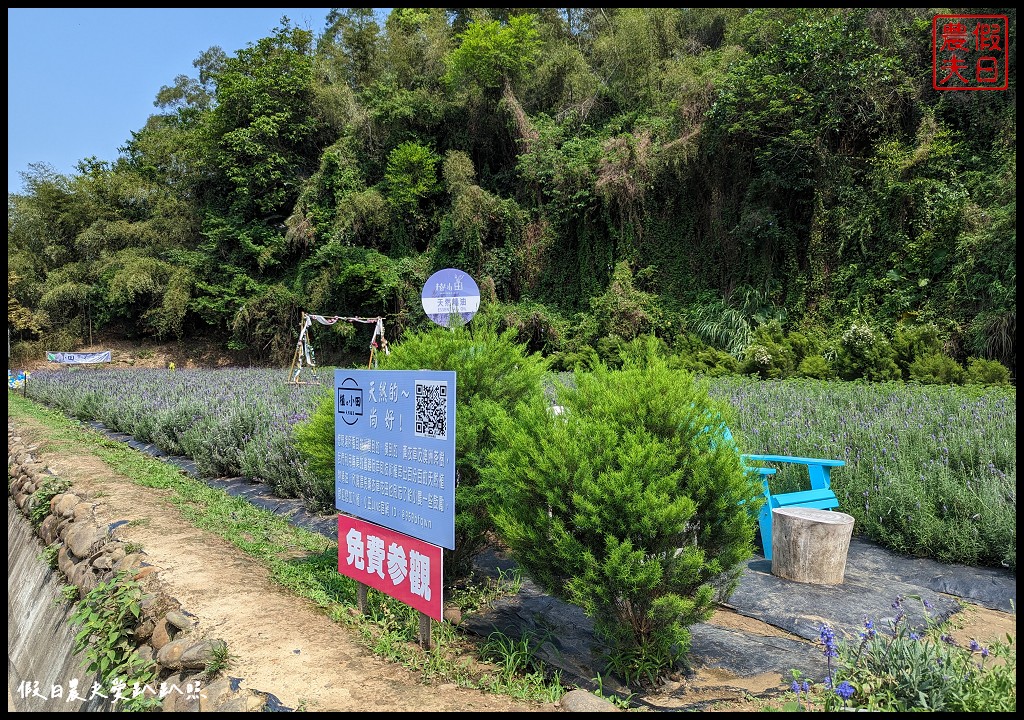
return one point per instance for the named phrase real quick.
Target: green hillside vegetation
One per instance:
(774, 192)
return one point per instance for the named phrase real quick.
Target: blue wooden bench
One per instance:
(820, 496)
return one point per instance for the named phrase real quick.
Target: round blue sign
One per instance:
(448, 293)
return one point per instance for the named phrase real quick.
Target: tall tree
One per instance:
(267, 137)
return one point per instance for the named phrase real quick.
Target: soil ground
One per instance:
(287, 647)
(147, 354)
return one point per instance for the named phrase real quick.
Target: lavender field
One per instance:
(931, 470)
(231, 422)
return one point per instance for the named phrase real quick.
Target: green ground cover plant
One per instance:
(39, 503)
(49, 555)
(106, 619)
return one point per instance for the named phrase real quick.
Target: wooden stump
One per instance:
(810, 545)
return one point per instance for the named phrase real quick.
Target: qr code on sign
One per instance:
(432, 409)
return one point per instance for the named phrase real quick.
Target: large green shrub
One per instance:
(936, 369)
(814, 366)
(693, 354)
(540, 327)
(911, 342)
(492, 373)
(314, 440)
(623, 312)
(770, 355)
(986, 372)
(864, 353)
(583, 358)
(630, 503)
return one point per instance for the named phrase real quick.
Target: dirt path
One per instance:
(283, 645)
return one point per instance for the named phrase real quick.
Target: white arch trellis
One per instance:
(304, 348)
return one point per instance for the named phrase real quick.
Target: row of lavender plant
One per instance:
(230, 422)
(930, 470)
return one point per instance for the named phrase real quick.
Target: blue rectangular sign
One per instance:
(394, 450)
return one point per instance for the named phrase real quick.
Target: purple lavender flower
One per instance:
(844, 690)
(897, 620)
(828, 639)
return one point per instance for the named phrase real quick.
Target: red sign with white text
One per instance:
(398, 565)
(970, 52)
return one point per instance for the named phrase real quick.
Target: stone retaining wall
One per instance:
(86, 555)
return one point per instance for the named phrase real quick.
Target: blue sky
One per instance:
(79, 81)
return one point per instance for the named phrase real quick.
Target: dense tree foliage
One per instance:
(602, 173)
